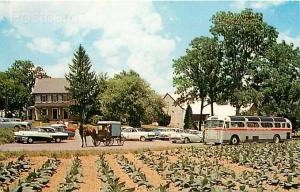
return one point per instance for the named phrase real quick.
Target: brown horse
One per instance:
(88, 130)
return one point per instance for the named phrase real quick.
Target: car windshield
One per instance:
(35, 129)
(139, 129)
(213, 123)
(194, 132)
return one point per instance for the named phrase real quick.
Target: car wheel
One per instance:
(16, 128)
(234, 140)
(142, 138)
(276, 139)
(30, 140)
(57, 140)
(186, 140)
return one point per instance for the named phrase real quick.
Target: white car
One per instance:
(188, 136)
(137, 134)
(40, 134)
(165, 133)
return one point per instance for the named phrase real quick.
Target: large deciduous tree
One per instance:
(13, 95)
(197, 73)
(83, 87)
(244, 37)
(279, 87)
(128, 98)
(24, 72)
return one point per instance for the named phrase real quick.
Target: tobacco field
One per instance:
(247, 167)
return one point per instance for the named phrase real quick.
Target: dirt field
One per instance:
(249, 167)
(75, 144)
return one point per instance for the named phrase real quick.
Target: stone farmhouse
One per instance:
(50, 99)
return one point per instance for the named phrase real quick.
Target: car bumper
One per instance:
(150, 137)
(20, 138)
(177, 140)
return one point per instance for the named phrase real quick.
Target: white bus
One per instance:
(236, 129)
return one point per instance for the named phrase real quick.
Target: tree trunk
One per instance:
(211, 106)
(201, 112)
(238, 110)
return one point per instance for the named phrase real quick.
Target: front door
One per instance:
(55, 113)
(65, 114)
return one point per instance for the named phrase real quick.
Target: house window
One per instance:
(65, 97)
(44, 98)
(54, 98)
(44, 111)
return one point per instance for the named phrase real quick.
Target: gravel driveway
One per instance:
(75, 144)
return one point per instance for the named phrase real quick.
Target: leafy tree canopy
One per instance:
(129, 98)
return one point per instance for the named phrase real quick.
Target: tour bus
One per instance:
(236, 129)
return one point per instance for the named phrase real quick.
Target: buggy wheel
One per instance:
(96, 143)
(107, 142)
(112, 140)
(120, 140)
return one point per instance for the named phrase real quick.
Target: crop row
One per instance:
(73, 178)
(38, 179)
(134, 173)
(205, 175)
(12, 171)
(110, 182)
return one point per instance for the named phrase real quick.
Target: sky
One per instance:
(120, 35)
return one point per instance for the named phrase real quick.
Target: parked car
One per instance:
(63, 128)
(156, 132)
(165, 133)
(188, 136)
(13, 123)
(40, 134)
(125, 127)
(137, 134)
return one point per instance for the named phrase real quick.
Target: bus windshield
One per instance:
(213, 123)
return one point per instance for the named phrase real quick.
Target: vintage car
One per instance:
(14, 123)
(165, 133)
(137, 134)
(63, 128)
(187, 136)
(40, 134)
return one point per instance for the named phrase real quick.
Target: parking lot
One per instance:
(75, 144)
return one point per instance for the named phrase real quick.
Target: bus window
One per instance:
(213, 123)
(266, 124)
(288, 125)
(226, 124)
(237, 124)
(252, 124)
(283, 125)
(277, 125)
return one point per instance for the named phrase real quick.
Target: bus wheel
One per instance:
(234, 140)
(276, 139)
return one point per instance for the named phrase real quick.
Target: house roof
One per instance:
(50, 85)
(167, 94)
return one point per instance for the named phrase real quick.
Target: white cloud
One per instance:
(131, 34)
(256, 4)
(59, 69)
(47, 45)
(289, 39)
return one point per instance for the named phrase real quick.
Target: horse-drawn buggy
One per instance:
(108, 132)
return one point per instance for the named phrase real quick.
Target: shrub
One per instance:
(45, 118)
(6, 136)
(164, 119)
(94, 119)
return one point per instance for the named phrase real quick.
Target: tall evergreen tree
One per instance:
(188, 121)
(83, 87)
